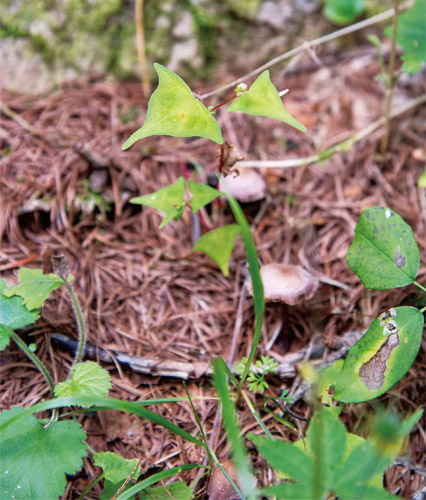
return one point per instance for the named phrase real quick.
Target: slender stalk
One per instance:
(140, 44)
(423, 309)
(256, 416)
(237, 490)
(419, 285)
(91, 485)
(33, 357)
(391, 80)
(383, 16)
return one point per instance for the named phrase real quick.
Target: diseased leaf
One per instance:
(13, 315)
(87, 379)
(34, 460)
(263, 99)
(173, 110)
(382, 356)
(168, 199)
(411, 36)
(35, 287)
(218, 245)
(384, 253)
(201, 195)
(116, 468)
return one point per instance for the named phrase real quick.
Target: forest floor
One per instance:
(65, 187)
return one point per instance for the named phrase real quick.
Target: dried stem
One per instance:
(140, 44)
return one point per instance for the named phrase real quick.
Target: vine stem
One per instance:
(391, 80)
(419, 285)
(383, 16)
(34, 358)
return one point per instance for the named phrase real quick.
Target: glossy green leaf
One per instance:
(201, 195)
(382, 356)
(87, 379)
(343, 12)
(218, 245)
(34, 460)
(173, 110)
(13, 315)
(35, 287)
(116, 468)
(168, 199)
(411, 36)
(384, 253)
(263, 99)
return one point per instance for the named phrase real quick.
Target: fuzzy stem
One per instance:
(391, 80)
(35, 360)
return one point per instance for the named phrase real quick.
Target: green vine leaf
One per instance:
(35, 287)
(384, 253)
(218, 245)
(411, 37)
(173, 110)
(34, 460)
(87, 379)
(116, 468)
(263, 99)
(13, 315)
(201, 195)
(381, 357)
(168, 199)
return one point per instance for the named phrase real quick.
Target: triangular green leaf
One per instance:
(384, 253)
(13, 315)
(201, 195)
(87, 379)
(173, 110)
(411, 36)
(178, 490)
(35, 287)
(263, 99)
(34, 460)
(168, 199)
(218, 245)
(116, 468)
(382, 356)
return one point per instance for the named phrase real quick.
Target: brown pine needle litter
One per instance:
(145, 293)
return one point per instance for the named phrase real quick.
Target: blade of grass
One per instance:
(100, 404)
(232, 428)
(256, 416)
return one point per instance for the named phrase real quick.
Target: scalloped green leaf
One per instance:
(35, 287)
(168, 199)
(116, 468)
(13, 315)
(173, 110)
(384, 253)
(411, 36)
(201, 195)
(263, 99)
(87, 379)
(382, 356)
(34, 460)
(218, 245)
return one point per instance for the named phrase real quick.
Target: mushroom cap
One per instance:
(286, 283)
(248, 186)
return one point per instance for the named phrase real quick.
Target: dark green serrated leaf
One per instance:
(384, 253)
(87, 379)
(411, 36)
(218, 245)
(116, 468)
(173, 110)
(382, 356)
(201, 195)
(13, 315)
(168, 199)
(263, 99)
(34, 460)
(35, 287)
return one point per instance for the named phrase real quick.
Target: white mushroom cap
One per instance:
(285, 283)
(248, 186)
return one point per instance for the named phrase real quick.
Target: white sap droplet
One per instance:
(388, 213)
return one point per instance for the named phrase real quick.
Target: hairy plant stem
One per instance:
(391, 80)
(33, 357)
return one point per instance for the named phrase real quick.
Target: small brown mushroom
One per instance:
(246, 187)
(219, 487)
(285, 283)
